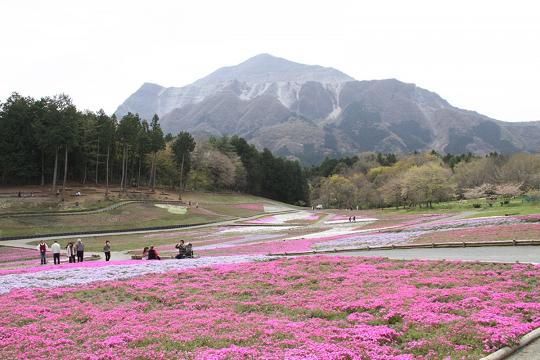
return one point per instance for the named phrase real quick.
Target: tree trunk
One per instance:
(154, 176)
(132, 170)
(139, 174)
(55, 172)
(97, 161)
(181, 179)
(65, 173)
(126, 184)
(107, 173)
(123, 167)
(85, 172)
(152, 172)
(42, 168)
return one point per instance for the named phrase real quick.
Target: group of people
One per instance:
(74, 251)
(352, 218)
(184, 251)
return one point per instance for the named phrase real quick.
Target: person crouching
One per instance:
(153, 254)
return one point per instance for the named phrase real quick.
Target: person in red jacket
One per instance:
(153, 254)
(42, 248)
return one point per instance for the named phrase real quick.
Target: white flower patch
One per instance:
(85, 275)
(375, 239)
(274, 208)
(173, 209)
(254, 229)
(346, 221)
(284, 218)
(335, 231)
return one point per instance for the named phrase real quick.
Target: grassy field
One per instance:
(515, 207)
(211, 207)
(131, 216)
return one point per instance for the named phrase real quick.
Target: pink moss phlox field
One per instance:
(263, 220)
(9, 254)
(312, 217)
(302, 308)
(473, 222)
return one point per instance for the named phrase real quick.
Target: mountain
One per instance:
(310, 111)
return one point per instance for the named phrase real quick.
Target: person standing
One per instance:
(80, 250)
(42, 248)
(107, 250)
(55, 248)
(70, 252)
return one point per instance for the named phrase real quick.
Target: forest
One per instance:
(372, 180)
(49, 142)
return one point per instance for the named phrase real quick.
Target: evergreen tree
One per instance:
(182, 148)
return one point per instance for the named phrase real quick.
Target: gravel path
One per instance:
(529, 254)
(529, 352)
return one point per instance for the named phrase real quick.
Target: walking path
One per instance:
(529, 352)
(526, 254)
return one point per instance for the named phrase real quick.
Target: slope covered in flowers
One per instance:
(10, 254)
(313, 307)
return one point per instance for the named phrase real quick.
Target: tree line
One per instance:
(48, 141)
(372, 180)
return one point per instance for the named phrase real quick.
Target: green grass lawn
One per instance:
(131, 216)
(47, 205)
(212, 207)
(215, 198)
(515, 207)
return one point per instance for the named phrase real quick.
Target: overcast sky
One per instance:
(479, 55)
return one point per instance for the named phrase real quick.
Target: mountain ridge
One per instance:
(310, 111)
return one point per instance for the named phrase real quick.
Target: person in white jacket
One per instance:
(55, 248)
(70, 252)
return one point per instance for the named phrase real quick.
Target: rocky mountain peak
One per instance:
(311, 111)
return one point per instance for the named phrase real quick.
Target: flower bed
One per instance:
(10, 254)
(300, 216)
(304, 308)
(50, 276)
(465, 223)
(519, 231)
